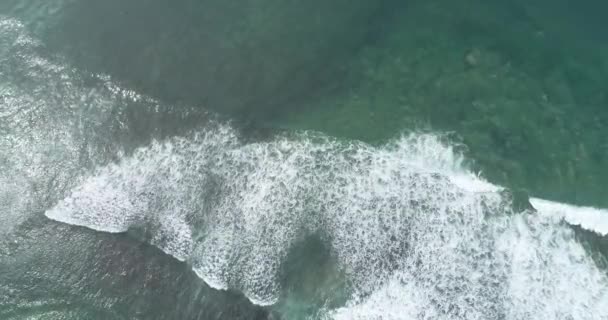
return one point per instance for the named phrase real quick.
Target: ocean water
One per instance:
(316, 160)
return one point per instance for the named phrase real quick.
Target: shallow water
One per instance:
(318, 160)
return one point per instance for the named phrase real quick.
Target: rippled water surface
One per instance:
(268, 159)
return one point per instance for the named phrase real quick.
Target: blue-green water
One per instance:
(303, 160)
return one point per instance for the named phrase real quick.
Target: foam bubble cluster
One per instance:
(416, 235)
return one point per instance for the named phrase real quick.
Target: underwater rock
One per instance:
(471, 58)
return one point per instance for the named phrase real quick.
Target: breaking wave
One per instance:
(416, 235)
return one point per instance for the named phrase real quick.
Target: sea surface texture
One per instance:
(321, 159)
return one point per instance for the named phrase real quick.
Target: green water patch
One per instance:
(239, 58)
(521, 82)
(312, 281)
(528, 99)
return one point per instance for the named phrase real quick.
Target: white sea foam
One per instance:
(417, 235)
(52, 126)
(589, 218)
(541, 274)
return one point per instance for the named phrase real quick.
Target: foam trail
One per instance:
(41, 140)
(56, 123)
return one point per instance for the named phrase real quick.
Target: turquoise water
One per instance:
(303, 160)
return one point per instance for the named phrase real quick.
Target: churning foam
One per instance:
(52, 125)
(589, 218)
(418, 236)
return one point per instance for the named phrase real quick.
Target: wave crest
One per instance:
(402, 220)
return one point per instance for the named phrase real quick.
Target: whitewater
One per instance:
(416, 235)
(412, 231)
